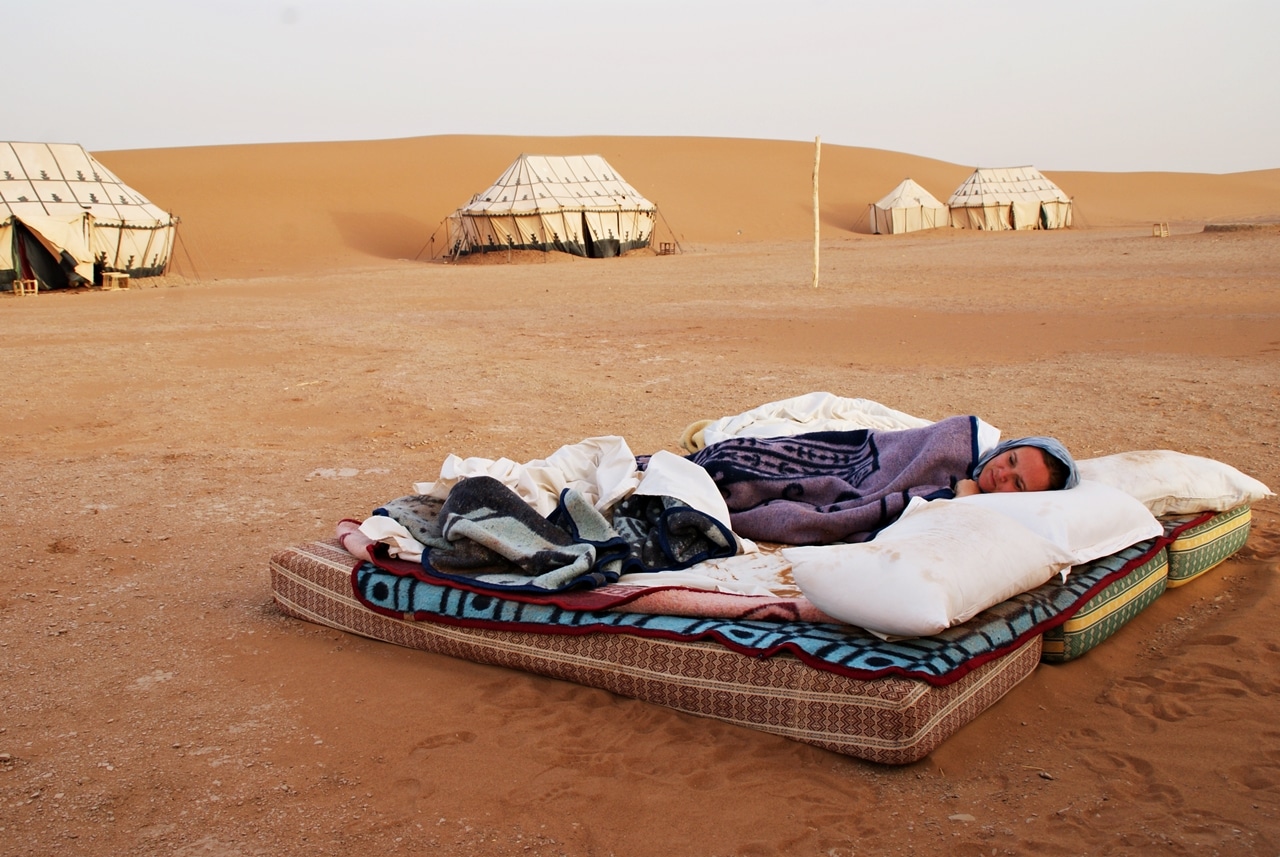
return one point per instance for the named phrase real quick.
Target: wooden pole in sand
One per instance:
(817, 157)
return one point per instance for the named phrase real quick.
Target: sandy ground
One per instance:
(161, 443)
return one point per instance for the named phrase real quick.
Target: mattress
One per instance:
(1201, 542)
(889, 719)
(894, 717)
(1109, 610)
(1193, 544)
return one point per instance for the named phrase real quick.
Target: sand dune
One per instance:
(252, 210)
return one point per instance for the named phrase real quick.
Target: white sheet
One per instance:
(602, 469)
(762, 572)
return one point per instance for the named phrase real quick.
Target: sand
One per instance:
(303, 363)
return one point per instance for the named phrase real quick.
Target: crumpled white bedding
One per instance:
(818, 411)
(603, 470)
(880, 585)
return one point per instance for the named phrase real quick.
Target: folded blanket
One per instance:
(828, 487)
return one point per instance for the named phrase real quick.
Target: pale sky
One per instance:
(1125, 85)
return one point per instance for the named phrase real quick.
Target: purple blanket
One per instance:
(838, 486)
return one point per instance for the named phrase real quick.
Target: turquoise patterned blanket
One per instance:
(842, 649)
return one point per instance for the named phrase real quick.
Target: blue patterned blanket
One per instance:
(842, 649)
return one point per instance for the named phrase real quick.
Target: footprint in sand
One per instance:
(1148, 698)
(1258, 775)
(1134, 775)
(423, 748)
(1215, 640)
(406, 789)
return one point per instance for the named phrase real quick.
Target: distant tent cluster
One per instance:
(581, 205)
(577, 205)
(65, 219)
(994, 199)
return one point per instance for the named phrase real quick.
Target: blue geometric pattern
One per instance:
(838, 648)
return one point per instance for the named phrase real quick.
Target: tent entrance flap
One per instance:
(602, 239)
(36, 260)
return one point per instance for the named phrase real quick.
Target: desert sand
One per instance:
(305, 360)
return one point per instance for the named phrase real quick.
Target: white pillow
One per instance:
(1174, 483)
(1089, 521)
(938, 565)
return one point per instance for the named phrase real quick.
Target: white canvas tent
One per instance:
(907, 208)
(1009, 198)
(576, 204)
(65, 218)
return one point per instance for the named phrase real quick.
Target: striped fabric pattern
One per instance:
(1105, 613)
(1201, 547)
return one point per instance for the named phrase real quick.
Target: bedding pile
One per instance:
(485, 534)
(648, 558)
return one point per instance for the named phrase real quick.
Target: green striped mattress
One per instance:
(1202, 547)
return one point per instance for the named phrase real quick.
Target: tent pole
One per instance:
(147, 252)
(115, 263)
(817, 221)
(173, 240)
(674, 238)
(431, 242)
(185, 249)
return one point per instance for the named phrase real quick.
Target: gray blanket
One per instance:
(485, 535)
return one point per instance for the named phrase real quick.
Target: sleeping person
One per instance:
(1023, 464)
(846, 486)
(805, 489)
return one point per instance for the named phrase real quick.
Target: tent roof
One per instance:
(1004, 185)
(908, 194)
(63, 181)
(555, 183)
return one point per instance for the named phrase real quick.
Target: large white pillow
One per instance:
(1089, 521)
(938, 565)
(1174, 483)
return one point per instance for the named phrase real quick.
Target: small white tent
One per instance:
(907, 208)
(1009, 198)
(576, 204)
(65, 218)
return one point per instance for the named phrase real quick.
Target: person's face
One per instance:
(1021, 468)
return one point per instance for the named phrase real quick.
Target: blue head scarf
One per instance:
(1047, 444)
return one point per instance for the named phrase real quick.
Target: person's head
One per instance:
(1026, 464)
